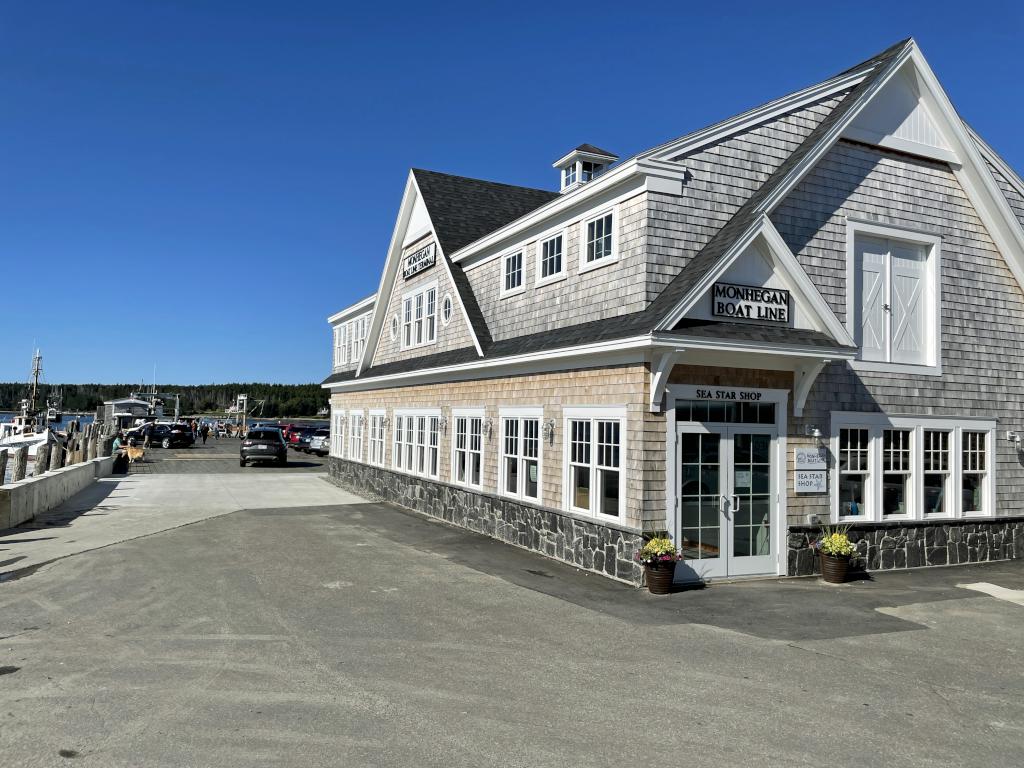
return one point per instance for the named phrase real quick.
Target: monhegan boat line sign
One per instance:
(749, 302)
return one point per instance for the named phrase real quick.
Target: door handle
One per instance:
(735, 503)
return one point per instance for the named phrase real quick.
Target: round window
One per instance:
(446, 309)
(394, 327)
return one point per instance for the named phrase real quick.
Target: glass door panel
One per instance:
(700, 497)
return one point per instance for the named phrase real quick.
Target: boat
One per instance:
(29, 427)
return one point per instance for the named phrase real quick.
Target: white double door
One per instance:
(726, 500)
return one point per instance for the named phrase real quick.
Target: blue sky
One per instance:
(197, 185)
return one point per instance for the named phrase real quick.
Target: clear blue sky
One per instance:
(197, 185)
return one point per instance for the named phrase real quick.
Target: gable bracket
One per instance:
(805, 375)
(661, 369)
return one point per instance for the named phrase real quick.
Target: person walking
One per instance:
(205, 432)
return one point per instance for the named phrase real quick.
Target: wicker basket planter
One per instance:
(659, 577)
(834, 569)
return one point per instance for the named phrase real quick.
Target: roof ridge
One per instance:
(483, 181)
(748, 213)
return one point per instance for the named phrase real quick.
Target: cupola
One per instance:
(582, 164)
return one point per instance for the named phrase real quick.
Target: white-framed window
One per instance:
(893, 298)
(419, 317)
(468, 448)
(551, 250)
(339, 345)
(355, 435)
(417, 442)
(520, 470)
(446, 309)
(915, 468)
(338, 433)
(512, 273)
(597, 241)
(595, 448)
(358, 330)
(569, 176)
(377, 437)
(394, 327)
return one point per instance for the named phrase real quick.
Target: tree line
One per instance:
(303, 400)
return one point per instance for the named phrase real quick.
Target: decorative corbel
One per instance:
(805, 375)
(661, 368)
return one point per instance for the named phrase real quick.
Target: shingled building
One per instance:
(807, 313)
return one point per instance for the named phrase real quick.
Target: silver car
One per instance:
(320, 442)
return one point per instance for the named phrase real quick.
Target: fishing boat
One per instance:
(29, 427)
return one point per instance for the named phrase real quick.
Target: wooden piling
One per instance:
(3, 465)
(42, 459)
(56, 456)
(20, 468)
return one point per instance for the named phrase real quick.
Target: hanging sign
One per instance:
(417, 261)
(749, 302)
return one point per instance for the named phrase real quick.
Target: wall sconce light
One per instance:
(386, 422)
(488, 427)
(442, 424)
(360, 419)
(1015, 438)
(548, 430)
(812, 432)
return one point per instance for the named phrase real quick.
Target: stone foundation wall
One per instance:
(891, 546)
(585, 544)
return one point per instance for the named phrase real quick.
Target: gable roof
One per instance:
(464, 227)
(463, 210)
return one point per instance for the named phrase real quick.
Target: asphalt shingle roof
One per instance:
(464, 210)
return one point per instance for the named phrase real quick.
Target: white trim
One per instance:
(503, 273)
(593, 414)
(780, 397)
(544, 237)
(411, 294)
(451, 311)
(339, 418)
(812, 303)
(933, 245)
(520, 414)
(876, 424)
(584, 265)
(356, 417)
(468, 414)
(353, 309)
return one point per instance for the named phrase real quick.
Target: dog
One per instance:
(135, 453)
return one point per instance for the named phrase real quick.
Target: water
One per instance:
(56, 425)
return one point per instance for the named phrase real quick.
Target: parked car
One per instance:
(303, 436)
(320, 442)
(263, 444)
(165, 435)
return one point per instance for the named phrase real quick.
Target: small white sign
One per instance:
(743, 478)
(416, 262)
(810, 482)
(810, 458)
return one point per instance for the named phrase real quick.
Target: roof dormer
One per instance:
(582, 164)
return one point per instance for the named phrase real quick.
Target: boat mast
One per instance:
(37, 371)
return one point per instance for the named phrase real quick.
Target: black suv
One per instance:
(263, 444)
(164, 435)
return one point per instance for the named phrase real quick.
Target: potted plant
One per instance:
(834, 550)
(658, 557)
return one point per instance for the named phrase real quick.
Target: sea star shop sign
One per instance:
(417, 261)
(749, 302)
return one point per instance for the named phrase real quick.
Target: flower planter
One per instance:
(659, 578)
(834, 569)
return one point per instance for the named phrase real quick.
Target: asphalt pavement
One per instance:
(291, 624)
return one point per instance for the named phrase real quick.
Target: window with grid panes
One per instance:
(936, 472)
(468, 456)
(513, 271)
(377, 439)
(897, 471)
(853, 472)
(551, 257)
(973, 472)
(595, 454)
(521, 457)
(599, 238)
